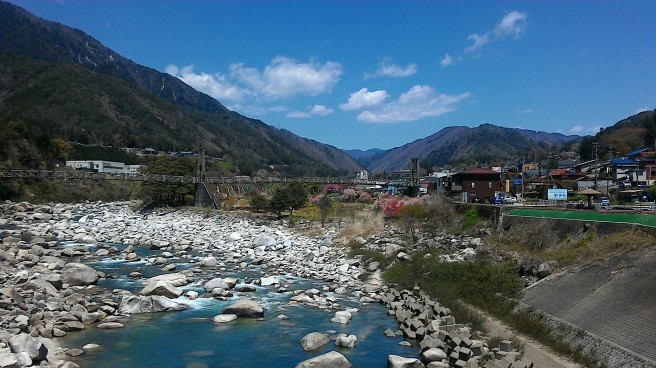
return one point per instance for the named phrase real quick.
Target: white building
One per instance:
(362, 175)
(104, 166)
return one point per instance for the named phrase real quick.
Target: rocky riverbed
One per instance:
(49, 290)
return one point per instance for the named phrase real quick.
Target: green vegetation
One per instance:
(167, 194)
(630, 218)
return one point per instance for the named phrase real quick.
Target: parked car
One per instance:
(603, 202)
(497, 200)
(510, 200)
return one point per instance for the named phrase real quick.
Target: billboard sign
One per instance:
(517, 181)
(557, 194)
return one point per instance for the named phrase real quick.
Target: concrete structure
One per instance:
(104, 166)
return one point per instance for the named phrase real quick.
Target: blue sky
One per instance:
(380, 74)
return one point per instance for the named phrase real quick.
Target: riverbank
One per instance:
(182, 256)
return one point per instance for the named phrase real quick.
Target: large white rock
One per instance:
(346, 341)
(313, 340)
(270, 280)
(396, 361)
(216, 283)
(173, 279)
(332, 359)
(245, 308)
(28, 344)
(133, 304)
(224, 318)
(342, 317)
(433, 355)
(78, 274)
(160, 288)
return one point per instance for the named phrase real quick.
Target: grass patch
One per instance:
(369, 255)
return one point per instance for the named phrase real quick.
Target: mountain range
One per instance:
(57, 82)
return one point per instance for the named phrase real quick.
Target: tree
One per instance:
(259, 203)
(410, 216)
(280, 201)
(297, 196)
(325, 203)
(167, 194)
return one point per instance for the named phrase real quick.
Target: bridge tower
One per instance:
(204, 195)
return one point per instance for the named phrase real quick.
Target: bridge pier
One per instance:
(205, 197)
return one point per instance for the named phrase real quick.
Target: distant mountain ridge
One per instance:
(32, 95)
(465, 145)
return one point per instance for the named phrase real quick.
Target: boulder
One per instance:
(208, 262)
(160, 288)
(270, 280)
(8, 359)
(28, 344)
(332, 359)
(346, 341)
(264, 241)
(433, 355)
(342, 317)
(109, 326)
(216, 283)
(396, 361)
(224, 318)
(133, 304)
(174, 279)
(78, 274)
(245, 308)
(313, 340)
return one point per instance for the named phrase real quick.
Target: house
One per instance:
(476, 184)
(104, 166)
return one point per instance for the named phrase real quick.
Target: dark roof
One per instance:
(480, 170)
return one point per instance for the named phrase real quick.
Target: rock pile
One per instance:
(443, 342)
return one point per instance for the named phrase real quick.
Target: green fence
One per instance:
(647, 219)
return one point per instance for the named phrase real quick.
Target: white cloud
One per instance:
(278, 108)
(364, 99)
(641, 109)
(595, 130)
(513, 24)
(478, 41)
(393, 70)
(215, 85)
(576, 129)
(524, 112)
(321, 110)
(447, 61)
(317, 110)
(297, 114)
(246, 87)
(417, 103)
(284, 77)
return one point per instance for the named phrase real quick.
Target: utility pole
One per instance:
(596, 156)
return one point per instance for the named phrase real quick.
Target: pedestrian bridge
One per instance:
(90, 175)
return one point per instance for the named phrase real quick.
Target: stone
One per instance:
(342, 317)
(78, 274)
(160, 288)
(175, 279)
(506, 345)
(208, 262)
(216, 283)
(433, 355)
(346, 341)
(23, 342)
(397, 361)
(134, 304)
(224, 318)
(268, 281)
(245, 308)
(8, 359)
(313, 341)
(331, 359)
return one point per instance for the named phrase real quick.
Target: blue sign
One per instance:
(517, 181)
(557, 194)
